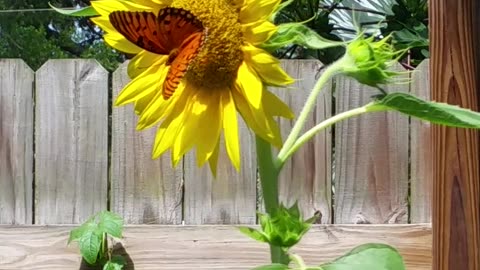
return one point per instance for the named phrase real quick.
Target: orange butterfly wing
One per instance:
(176, 25)
(141, 29)
(158, 34)
(175, 32)
(186, 53)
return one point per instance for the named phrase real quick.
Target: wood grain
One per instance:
(230, 198)
(206, 247)
(144, 191)
(371, 159)
(306, 177)
(71, 133)
(421, 159)
(16, 142)
(455, 79)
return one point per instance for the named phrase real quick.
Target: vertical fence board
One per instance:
(144, 191)
(371, 153)
(306, 176)
(71, 134)
(421, 159)
(230, 198)
(16, 142)
(455, 79)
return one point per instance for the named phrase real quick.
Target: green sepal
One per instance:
(254, 234)
(279, 8)
(299, 34)
(285, 227)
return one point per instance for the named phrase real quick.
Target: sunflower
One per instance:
(225, 72)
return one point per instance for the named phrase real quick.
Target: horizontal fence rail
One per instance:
(148, 247)
(66, 154)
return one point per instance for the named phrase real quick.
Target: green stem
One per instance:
(371, 107)
(268, 175)
(298, 261)
(269, 182)
(329, 72)
(102, 247)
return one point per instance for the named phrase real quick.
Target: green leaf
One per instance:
(412, 37)
(110, 223)
(368, 256)
(77, 233)
(275, 266)
(437, 113)
(90, 243)
(297, 33)
(118, 259)
(81, 12)
(254, 234)
(116, 263)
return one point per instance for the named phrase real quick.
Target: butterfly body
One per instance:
(174, 32)
(172, 55)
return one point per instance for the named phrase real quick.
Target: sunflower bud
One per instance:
(283, 228)
(368, 61)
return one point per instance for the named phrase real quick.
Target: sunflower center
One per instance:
(217, 63)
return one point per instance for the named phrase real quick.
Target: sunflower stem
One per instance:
(269, 182)
(329, 72)
(370, 107)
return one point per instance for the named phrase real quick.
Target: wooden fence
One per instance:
(66, 154)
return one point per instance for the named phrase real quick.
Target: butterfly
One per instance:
(174, 32)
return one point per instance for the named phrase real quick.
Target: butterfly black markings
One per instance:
(174, 32)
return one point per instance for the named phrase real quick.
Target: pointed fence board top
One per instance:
(16, 142)
(71, 141)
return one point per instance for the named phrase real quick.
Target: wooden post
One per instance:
(454, 72)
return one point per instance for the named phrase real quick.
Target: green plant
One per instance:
(92, 237)
(366, 59)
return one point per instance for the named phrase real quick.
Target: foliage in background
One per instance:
(41, 35)
(405, 20)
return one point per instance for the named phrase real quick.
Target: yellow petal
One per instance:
(159, 108)
(104, 23)
(276, 107)
(257, 10)
(277, 137)
(261, 123)
(230, 125)
(168, 131)
(165, 137)
(105, 7)
(259, 32)
(119, 43)
(213, 160)
(250, 85)
(142, 61)
(266, 66)
(160, 3)
(143, 102)
(208, 135)
(141, 86)
(114, 38)
(188, 137)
